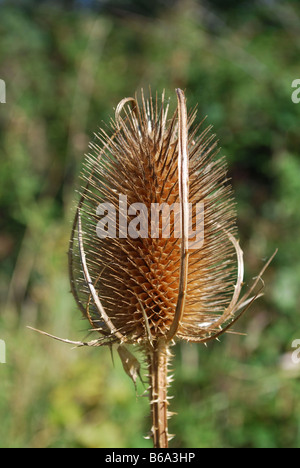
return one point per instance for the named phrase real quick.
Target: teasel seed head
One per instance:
(146, 281)
(154, 255)
(153, 286)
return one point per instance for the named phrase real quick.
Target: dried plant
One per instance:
(151, 290)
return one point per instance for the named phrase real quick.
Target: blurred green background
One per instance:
(66, 65)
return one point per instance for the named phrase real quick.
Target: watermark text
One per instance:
(160, 220)
(296, 94)
(2, 92)
(296, 353)
(2, 352)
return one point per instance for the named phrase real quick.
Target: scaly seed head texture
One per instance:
(137, 279)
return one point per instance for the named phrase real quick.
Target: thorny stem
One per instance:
(158, 358)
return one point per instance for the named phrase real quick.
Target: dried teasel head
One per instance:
(157, 285)
(153, 252)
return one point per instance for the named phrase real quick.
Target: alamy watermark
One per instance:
(296, 94)
(296, 353)
(161, 220)
(2, 92)
(2, 352)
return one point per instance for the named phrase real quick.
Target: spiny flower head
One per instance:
(153, 252)
(154, 255)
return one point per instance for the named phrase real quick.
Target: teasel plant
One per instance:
(159, 286)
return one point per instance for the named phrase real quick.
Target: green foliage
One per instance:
(65, 71)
